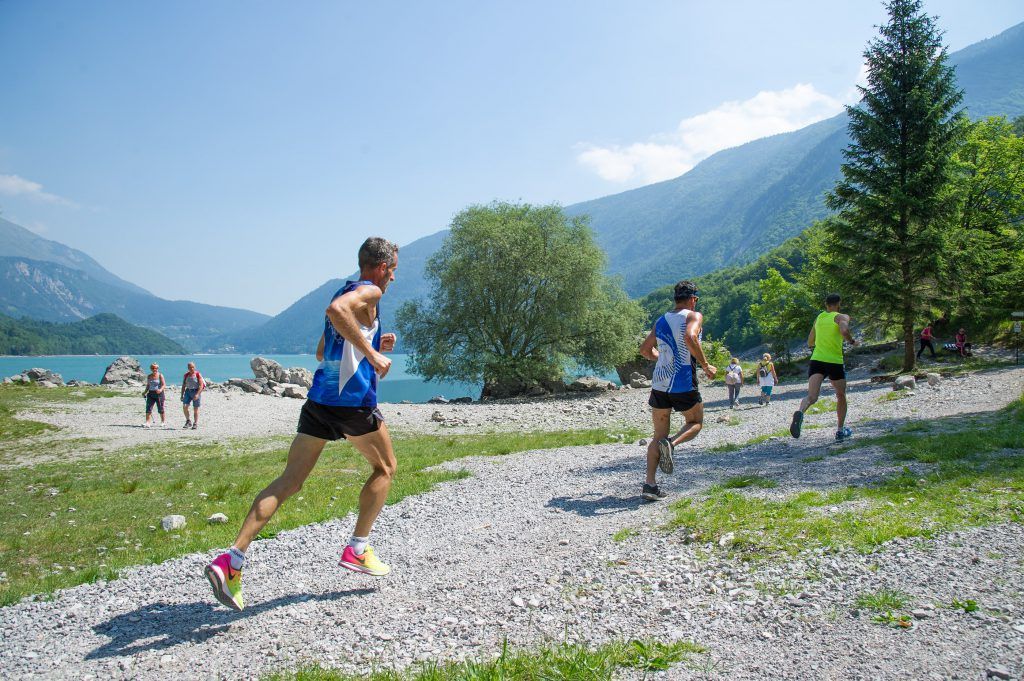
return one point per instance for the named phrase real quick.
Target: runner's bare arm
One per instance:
(843, 320)
(343, 312)
(320, 349)
(810, 338)
(649, 348)
(693, 323)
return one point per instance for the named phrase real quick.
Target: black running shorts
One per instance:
(833, 372)
(678, 401)
(336, 423)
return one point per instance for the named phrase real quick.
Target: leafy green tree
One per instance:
(784, 311)
(894, 200)
(1018, 126)
(518, 295)
(986, 267)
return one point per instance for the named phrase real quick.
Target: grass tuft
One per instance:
(565, 661)
(741, 481)
(882, 600)
(624, 534)
(826, 405)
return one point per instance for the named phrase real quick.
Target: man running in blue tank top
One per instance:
(342, 403)
(674, 343)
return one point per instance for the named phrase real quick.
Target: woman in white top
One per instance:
(734, 381)
(766, 378)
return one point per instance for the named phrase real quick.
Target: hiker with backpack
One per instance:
(734, 381)
(766, 378)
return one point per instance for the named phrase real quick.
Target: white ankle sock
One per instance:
(358, 544)
(237, 558)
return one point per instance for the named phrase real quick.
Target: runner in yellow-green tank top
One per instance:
(826, 343)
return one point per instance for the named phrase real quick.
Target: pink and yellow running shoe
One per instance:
(226, 582)
(367, 563)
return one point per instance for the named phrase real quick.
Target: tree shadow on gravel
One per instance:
(593, 504)
(173, 624)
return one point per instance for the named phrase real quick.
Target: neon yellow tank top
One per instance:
(828, 342)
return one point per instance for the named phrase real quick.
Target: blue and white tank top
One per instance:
(676, 370)
(345, 378)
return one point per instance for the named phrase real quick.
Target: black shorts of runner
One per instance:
(337, 423)
(678, 401)
(833, 372)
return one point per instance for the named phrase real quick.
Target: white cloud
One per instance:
(12, 185)
(669, 155)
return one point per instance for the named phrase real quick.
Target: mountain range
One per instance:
(728, 210)
(49, 281)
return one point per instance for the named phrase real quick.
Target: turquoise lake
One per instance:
(397, 386)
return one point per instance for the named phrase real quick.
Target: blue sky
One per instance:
(237, 153)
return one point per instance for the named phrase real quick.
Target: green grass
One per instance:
(882, 600)
(967, 605)
(624, 534)
(812, 459)
(76, 521)
(893, 619)
(973, 480)
(16, 433)
(553, 662)
(741, 481)
(726, 447)
(892, 396)
(823, 406)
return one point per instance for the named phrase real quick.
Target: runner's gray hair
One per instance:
(376, 250)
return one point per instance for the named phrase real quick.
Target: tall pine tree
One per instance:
(893, 200)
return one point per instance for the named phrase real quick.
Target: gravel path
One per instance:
(522, 550)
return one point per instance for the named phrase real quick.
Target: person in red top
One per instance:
(962, 346)
(926, 340)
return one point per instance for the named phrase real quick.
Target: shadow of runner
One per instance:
(186, 622)
(593, 504)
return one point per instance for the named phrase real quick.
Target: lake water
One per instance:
(397, 386)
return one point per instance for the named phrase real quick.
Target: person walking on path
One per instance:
(926, 340)
(734, 381)
(674, 343)
(826, 343)
(766, 378)
(192, 387)
(342, 403)
(155, 385)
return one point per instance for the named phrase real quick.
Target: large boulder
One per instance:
(44, 376)
(638, 380)
(267, 369)
(296, 391)
(639, 365)
(517, 387)
(246, 384)
(591, 384)
(124, 371)
(298, 376)
(904, 383)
